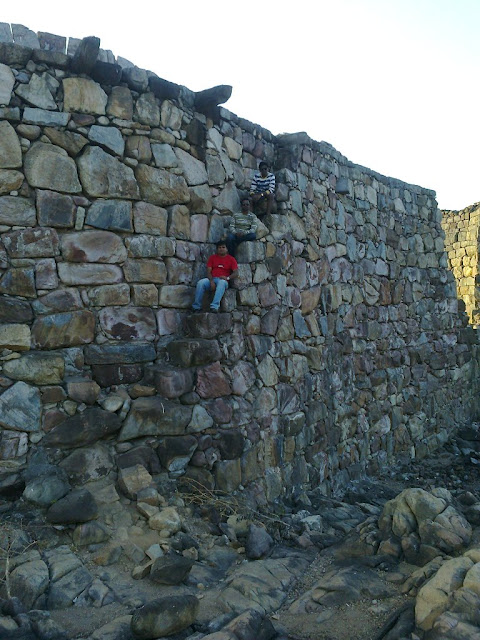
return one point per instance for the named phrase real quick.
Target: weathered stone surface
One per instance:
(19, 282)
(120, 103)
(147, 218)
(193, 169)
(178, 296)
(20, 408)
(55, 209)
(193, 352)
(50, 167)
(161, 187)
(37, 368)
(201, 199)
(93, 246)
(31, 243)
(10, 180)
(118, 354)
(37, 92)
(128, 323)
(259, 543)
(14, 54)
(171, 569)
(10, 151)
(133, 479)
(17, 211)
(24, 36)
(82, 95)
(7, 80)
(111, 214)
(113, 374)
(164, 156)
(82, 429)
(12, 310)
(90, 274)
(29, 581)
(173, 383)
(83, 391)
(155, 416)
(77, 506)
(87, 464)
(137, 79)
(138, 147)
(103, 176)
(34, 116)
(46, 489)
(72, 142)
(90, 533)
(164, 617)
(58, 301)
(208, 325)
(110, 138)
(145, 271)
(212, 382)
(63, 330)
(109, 295)
(15, 337)
(176, 452)
(147, 110)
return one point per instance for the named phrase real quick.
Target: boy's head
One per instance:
(263, 166)
(245, 204)
(221, 248)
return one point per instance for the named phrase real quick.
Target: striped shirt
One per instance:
(243, 222)
(263, 185)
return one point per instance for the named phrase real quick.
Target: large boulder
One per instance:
(164, 617)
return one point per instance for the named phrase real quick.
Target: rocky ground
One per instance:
(397, 557)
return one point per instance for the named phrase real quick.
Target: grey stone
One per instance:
(82, 429)
(46, 489)
(164, 617)
(109, 138)
(155, 416)
(29, 581)
(161, 187)
(50, 167)
(259, 543)
(37, 368)
(42, 117)
(55, 209)
(17, 211)
(63, 330)
(89, 274)
(121, 353)
(10, 150)
(193, 169)
(25, 36)
(38, 92)
(170, 569)
(164, 156)
(77, 506)
(103, 176)
(87, 464)
(20, 408)
(31, 243)
(64, 591)
(147, 110)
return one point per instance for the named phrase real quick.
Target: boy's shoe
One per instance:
(196, 310)
(212, 310)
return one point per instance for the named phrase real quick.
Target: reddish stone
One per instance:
(212, 382)
(108, 374)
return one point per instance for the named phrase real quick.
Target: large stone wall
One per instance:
(461, 244)
(340, 347)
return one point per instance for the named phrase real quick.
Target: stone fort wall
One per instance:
(340, 347)
(461, 243)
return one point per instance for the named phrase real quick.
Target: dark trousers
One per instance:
(233, 241)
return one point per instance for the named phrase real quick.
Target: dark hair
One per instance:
(263, 164)
(247, 198)
(221, 243)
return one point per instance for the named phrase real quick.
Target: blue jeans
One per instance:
(203, 285)
(233, 241)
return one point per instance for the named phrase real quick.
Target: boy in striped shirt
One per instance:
(262, 190)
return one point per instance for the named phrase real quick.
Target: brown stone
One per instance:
(93, 246)
(63, 330)
(161, 187)
(128, 323)
(31, 243)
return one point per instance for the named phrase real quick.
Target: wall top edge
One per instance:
(17, 35)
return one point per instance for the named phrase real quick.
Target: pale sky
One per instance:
(391, 84)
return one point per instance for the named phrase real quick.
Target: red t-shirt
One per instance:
(222, 265)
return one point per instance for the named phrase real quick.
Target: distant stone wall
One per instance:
(461, 244)
(340, 346)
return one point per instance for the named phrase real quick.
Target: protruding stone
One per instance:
(161, 187)
(50, 167)
(103, 176)
(82, 429)
(82, 95)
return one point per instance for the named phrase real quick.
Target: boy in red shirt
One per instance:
(221, 268)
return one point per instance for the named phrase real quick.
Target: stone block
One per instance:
(19, 282)
(120, 103)
(31, 243)
(193, 352)
(7, 81)
(114, 374)
(151, 271)
(131, 480)
(15, 337)
(212, 382)
(155, 416)
(119, 353)
(10, 180)
(12, 310)
(150, 219)
(128, 323)
(176, 296)
(10, 150)
(55, 209)
(93, 246)
(171, 383)
(49, 167)
(17, 211)
(63, 330)
(110, 214)
(110, 138)
(161, 187)
(228, 475)
(82, 95)
(42, 117)
(89, 274)
(72, 142)
(37, 368)
(208, 325)
(103, 176)
(20, 408)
